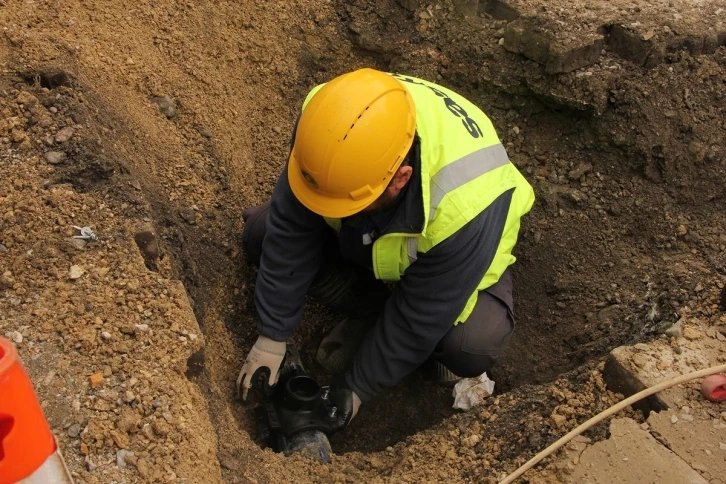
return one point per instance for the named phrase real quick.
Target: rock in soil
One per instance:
(167, 106)
(55, 157)
(64, 135)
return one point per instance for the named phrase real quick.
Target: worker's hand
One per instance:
(346, 403)
(264, 358)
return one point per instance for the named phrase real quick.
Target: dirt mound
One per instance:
(156, 124)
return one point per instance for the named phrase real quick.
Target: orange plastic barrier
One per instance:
(26, 441)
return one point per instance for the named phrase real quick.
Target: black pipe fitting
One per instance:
(298, 414)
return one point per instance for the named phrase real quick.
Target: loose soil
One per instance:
(627, 235)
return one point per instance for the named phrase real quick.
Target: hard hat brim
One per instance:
(321, 204)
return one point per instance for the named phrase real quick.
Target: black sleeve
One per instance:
(291, 255)
(424, 305)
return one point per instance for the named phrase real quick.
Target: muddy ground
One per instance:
(157, 123)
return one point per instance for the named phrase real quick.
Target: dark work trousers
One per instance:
(468, 349)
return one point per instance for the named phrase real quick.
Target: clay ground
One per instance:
(157, 123)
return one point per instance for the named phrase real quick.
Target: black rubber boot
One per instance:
(337, 350)
(437, 372)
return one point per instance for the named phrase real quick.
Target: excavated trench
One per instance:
(589, 277)
(586, 280)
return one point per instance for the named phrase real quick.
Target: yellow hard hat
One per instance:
(351, 138)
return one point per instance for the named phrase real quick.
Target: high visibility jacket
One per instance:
(464, 168)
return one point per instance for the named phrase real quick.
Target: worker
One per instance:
(399, 207)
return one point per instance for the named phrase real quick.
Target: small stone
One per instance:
(471, 441)
(6, 282)
(74, 431)
(205, 132)
(129, 421)
(160, 427)
(15, 336)
(26, 98)
(133, 381)
(84, 448)
(675, 331)
(691, 334)
(64, 135)
(122, 439)
(54, 157)
(121, 457)
(189, 215)
(557, 420)
(18, 136)
(147, 431)
(142, 327)
(144, 468)
(229, 463)
(53, 109)
(96, 380)
(166, 105)
(674, 419)
(78, 243)
(722, 446)
(75, 272)
(129, 396)
(580, 171)
(106, 335)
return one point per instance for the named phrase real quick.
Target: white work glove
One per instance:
(265, 357)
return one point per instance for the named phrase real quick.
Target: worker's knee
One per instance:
(254, 231)
(473, 347)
